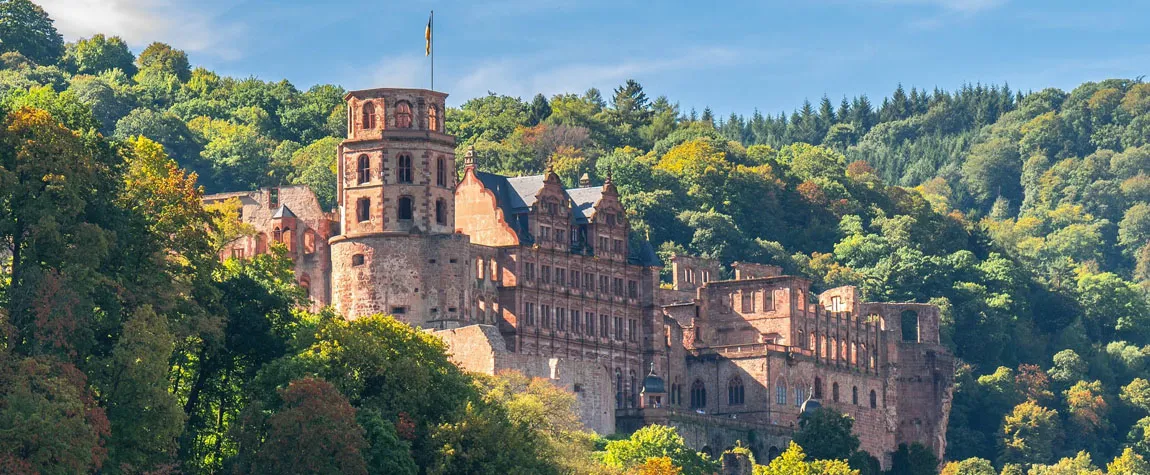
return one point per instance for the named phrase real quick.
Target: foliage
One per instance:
(655, 441)
(794, 462)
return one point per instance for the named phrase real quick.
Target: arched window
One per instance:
(403, 115)
(362, 209)
(618, 388)
(735, 391)
(772, 453)
(855, 395)
(781, 391)
(440, 172)
(814, 337)
(818, 388)
(405, 208)
(363, 170)
(440, 212)
(403, 170)
(910, 326)
(854, 355)
(278, 234)
(289, 239)
(834, 349)
(634, 399)
(368, 116)
(835, 392)
(800, 393)
(305, 283)
(873, 399)
(698, 395)
(433, 118)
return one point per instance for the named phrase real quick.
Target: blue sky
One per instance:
(732, 56)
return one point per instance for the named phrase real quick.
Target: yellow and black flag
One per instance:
(427, 34)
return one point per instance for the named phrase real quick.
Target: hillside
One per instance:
(1024, 216)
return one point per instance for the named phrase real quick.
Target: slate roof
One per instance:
(283, 212)
(583, 202)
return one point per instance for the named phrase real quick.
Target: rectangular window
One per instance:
(480, 269)
(545, 271)
(780, 394)
(633, 330)
(576, 324)
(604, 284)
(706, 276)
(619, 328)
(561, 277)
(768, 301)
(529, 271)
(618, 243)
(589, 281)
(603, 241)
(494, 270)
(545, 315)
(589, 318)
(604, 326)
(529, 314)
(561, 319)
(559, 237)
(575, 279)
(544, 233)
(748, 301)
(611, 219)
(617, 286)
(632, 289)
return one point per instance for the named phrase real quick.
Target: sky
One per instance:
(735, 56)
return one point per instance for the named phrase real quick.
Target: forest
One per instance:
(127, 347)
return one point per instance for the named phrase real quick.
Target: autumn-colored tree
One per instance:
(315, 432)
(656, 466)
(655, 441)
(1030, 434)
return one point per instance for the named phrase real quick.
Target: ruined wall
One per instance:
(481, 349)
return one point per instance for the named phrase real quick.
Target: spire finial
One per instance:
(469, 157)
(652, 373)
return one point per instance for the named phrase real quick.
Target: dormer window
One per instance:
(368, 116)
(403, 115)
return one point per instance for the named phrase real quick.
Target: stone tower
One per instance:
(397, 251)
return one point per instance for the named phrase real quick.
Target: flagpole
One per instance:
(432, 23)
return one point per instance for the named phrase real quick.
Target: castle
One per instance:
(522, 273)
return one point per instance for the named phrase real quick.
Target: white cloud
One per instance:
(140, 22)
(518, 77)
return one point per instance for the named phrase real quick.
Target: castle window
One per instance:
(603, 243)
(818, 388)
(619, 328)
(545, 316)
(855, 395)
(748, 301)
(910, 326)
(610, 219)
(604, 284)
(618, 246)
(698, 395)
(632, 289)
(403, 115)
(309, 242)
(604, 326)
(873, 399)
(480, 269)
(398, 310)
(278, 234)
(854, 355)
(362, 210)
(363, 170)
(529, 314)
(405, 208)
(560, 319)
(735, 391)
(559, 237)
(441, 172)
(800, 394)
(368, 116)
(545, 274)
(589, 281)
(814, 337)
(403, 172)
(617, 286)
(589, 318)
(529, 270)
(357, 260)
(289, 239)
(261, 243)
(561, 277)
(576, 324)
(633, 330)
(835, 392)
(618, 388)
(544, 233)
(781, 392)
(274, 198)
(440, 212)
(634, 399)
(433, 118)
(305, 283)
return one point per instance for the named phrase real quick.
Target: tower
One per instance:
(398, 252)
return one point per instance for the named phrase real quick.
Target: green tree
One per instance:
(1129, 463)
(656, 441)
(1068, 367)
(794, 462)
(26, 28)
(100, 53)
(1030, 434)
(827, 435)
(914, 459)
(971, 466)
(161, 57)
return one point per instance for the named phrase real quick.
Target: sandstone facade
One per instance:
(521, 273)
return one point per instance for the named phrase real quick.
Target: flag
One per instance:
(427, 36)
